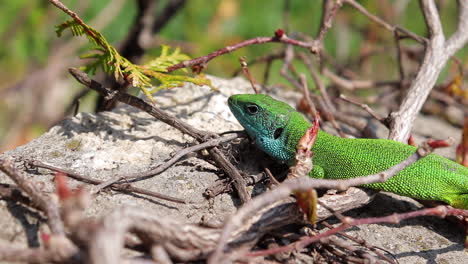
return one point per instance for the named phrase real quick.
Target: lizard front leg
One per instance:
(317, 172)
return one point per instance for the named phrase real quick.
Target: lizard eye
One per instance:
(278, 133)
(252, 109)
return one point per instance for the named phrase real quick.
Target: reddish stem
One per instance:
(348, 222)
(279, 36)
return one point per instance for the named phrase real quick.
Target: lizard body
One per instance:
(276, 128)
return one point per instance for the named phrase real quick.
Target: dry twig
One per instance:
(280, 36)
(138, 176)
(136, 102)
(440, 211)
(121, 187)
(438, 52)
(44, 203)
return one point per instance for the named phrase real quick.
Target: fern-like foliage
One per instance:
(149, 77)
(166, 59)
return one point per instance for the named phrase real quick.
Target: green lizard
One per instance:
(276, 128)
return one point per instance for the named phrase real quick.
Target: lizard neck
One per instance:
(323, 142)
(296, 128)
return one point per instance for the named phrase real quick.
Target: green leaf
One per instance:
(166, 59)
(106, 57)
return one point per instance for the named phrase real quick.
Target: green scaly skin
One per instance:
(277, 127)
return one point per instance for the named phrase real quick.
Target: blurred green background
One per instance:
(35, 88)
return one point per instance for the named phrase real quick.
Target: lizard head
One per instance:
(273, 125)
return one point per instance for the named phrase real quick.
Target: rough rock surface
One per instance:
(127, 140)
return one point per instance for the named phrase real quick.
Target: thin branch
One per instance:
(344, 249)
(265, 58)
(432, 19)
(233, 172)
(138, 176)
(184, 127)
(122, 187)
(247, 73)
(13, 193)
(318, 81)
(287, 66)
(399, 55)
(306, 95)
(329, 10)
(11, 253)
(384, 24)
(367, 109)
(365, 244)
(138, 103)
(75, 17)
(280, 37)
(356, 84)
(460, 37)
(441, 211)
(59, 244)
(46, 205)
(438, 52)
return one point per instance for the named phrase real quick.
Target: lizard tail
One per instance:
(459, 201)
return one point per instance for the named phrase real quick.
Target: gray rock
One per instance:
(128, 140)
